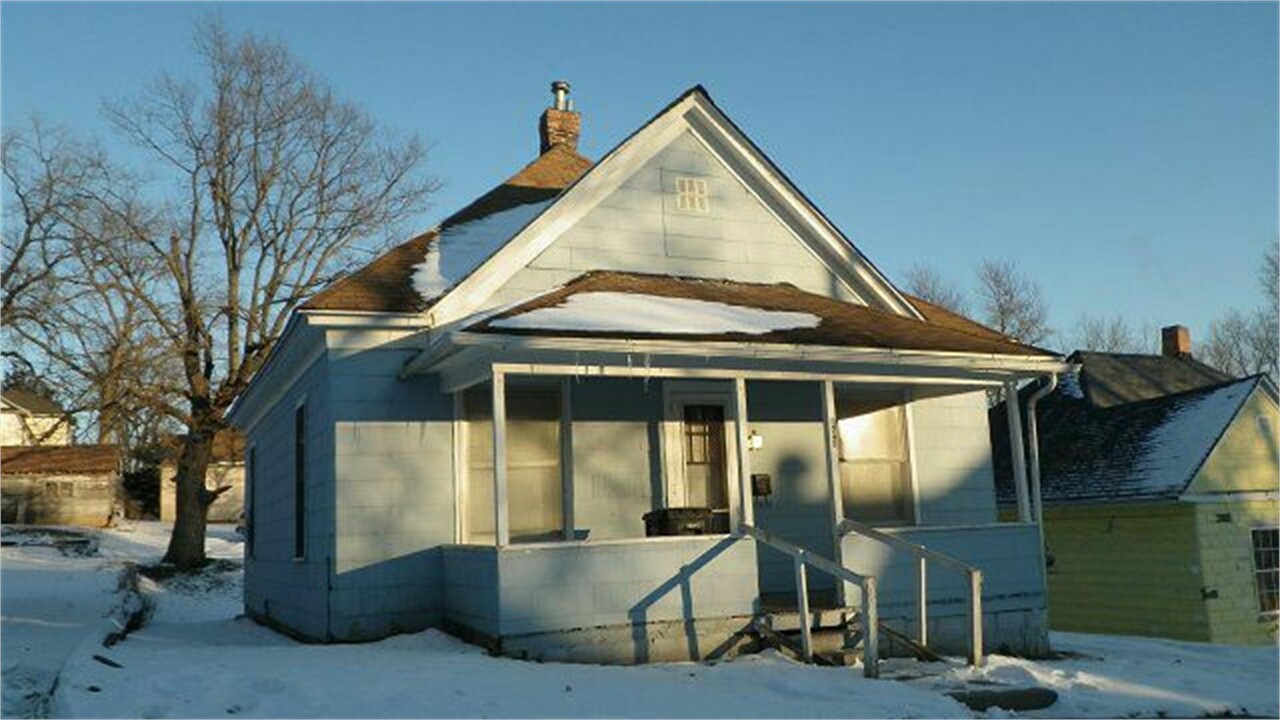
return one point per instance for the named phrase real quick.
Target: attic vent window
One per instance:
(691, 195)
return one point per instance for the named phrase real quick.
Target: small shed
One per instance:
(1160, 490)
(226, 470)
(60, 484)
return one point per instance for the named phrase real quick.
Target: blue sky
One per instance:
(1124, 154)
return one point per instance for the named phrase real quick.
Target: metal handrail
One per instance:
(802, 558)
(923, 555)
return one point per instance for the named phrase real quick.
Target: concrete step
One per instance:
(820, 618)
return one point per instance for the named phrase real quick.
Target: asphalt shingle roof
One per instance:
(1144, 450)
(841, 323)
(31, 402)
(386, 283)
(1109, 379)
(59, 459)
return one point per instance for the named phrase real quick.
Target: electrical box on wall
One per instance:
(761, 485)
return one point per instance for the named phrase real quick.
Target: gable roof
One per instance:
(1109, 379)
(712, 310)
(59, 459)
(386, 284)
(1145, 450)
(32, 402)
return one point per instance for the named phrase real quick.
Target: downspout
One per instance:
(1033, 448)
(1033, 440)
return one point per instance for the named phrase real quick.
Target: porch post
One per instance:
(566, 457)
(1014, 415)
(501, 529)
(747, 515)
(830, 431)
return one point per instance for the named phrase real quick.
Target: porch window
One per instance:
(875, 470)
(1266, 568)
(535, 496)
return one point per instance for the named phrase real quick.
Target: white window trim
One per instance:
(1253, 563)
(675, 395)
(693, 194)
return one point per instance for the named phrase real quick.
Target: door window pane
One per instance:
(875, 471)
(704, 457)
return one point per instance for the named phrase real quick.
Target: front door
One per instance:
(706, 476)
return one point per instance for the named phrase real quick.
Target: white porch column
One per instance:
(501, 526)
(831, 430)
(1014, 416)
(747, 515)
(566, 457)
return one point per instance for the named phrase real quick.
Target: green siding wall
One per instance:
(1226, 559)
(1131, 570)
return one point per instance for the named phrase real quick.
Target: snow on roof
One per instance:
(1176, 448)
(633, 312)
(460, 248)
(1145, 449)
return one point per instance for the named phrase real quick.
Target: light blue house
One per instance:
(469, 432)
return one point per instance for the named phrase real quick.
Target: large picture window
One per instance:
(535, 491)
(875, 470)
(1266, 568)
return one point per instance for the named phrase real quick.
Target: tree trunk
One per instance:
(186, 545)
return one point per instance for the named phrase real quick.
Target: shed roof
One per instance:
(33, 403)
(1145, 450)
(59, 459)
(783, 316)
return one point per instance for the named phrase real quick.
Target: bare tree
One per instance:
(1242, 343)
(62, 321)
(926, 283)
(1012, 303)
(1103, 334)
(271, 182)
(44, 168)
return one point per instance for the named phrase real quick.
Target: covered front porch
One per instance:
(564, 445)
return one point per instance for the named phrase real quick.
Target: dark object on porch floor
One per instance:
(677, 521)
(1016, 699)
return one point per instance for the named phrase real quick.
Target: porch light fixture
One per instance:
(755, 440)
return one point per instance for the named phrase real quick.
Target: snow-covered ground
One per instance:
(197, 658)
(49, 602)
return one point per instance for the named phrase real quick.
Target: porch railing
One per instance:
(923, 555)
(803, 559)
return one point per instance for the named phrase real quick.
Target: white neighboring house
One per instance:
(510, 426)
(47, 480)
(30, 419)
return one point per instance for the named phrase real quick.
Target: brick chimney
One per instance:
(560, 125)
(1175, 341)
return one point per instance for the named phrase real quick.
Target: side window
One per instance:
(1266, 568)
(251, 502)
(875, 470)
(300, 481)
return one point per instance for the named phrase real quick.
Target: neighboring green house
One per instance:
(1160, 481)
